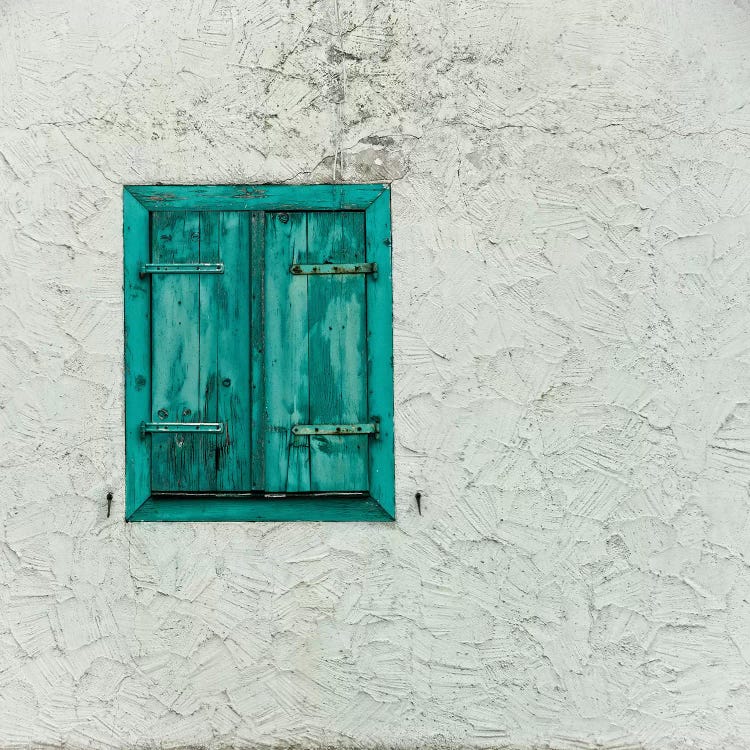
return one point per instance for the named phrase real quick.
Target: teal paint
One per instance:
(338, 357)
(175, 351)
(380, 349)
(257, 327)
(311, 353)
(232, 458)
(210, 323)
(137, 292)
(244, 509)
(287, 456)
(256, 197)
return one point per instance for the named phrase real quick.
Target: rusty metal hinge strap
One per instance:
(215, 427)
(151, 268)
(319, 269)
(368, 428)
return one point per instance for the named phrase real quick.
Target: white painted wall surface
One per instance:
(572, 269)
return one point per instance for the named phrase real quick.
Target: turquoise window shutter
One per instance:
(258, 353)
(199, 374)
(316, 352)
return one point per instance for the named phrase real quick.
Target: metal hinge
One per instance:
(148, 268)
(147, 427)
(367, 428)
(331, 268)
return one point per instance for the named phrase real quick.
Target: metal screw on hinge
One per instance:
(283, 218)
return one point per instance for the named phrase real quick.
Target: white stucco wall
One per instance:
(571, 187)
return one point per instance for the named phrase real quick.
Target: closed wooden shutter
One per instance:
(258, 350)
(200, 335)
(316, 352)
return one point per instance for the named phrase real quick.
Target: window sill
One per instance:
(243, 508)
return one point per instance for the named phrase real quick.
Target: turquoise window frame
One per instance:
(139, 202)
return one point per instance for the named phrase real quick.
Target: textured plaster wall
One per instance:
(571, 203)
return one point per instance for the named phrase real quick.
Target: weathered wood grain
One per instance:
(175, 345)
(338, 357)
(232, 316)
(380, 351)
(208, 350)
(250, 509)
(256, 197)
(137, 353)
(257, 358)
(286, 348)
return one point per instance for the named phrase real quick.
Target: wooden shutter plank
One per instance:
(287, 456)
(257, 333)
(338, 361)
(208, 350)
(232, 461)
(175, 342)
